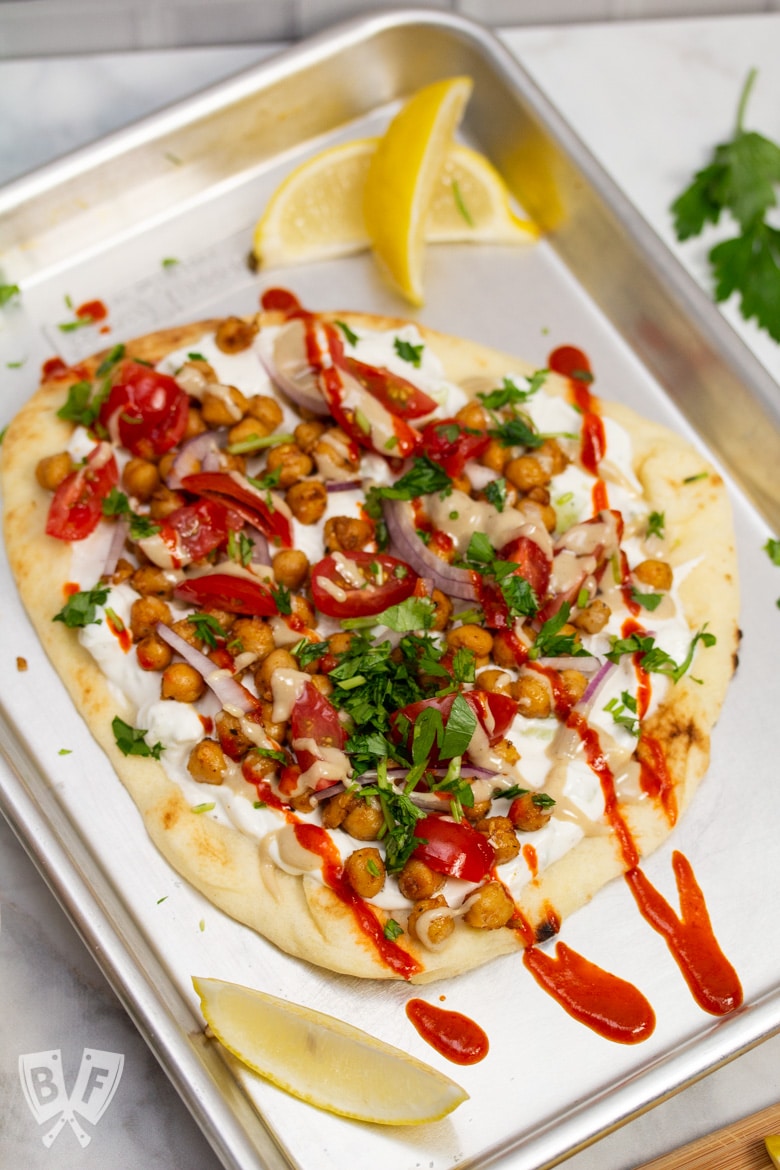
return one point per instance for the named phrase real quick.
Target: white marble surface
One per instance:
(650, 99)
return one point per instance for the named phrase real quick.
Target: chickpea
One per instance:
(336, 808)
(53, 469)
(275, 729)
(195, 424)
(256, 767)
(323, 684)
(150, 581)
(188, 631)
(507, 751)
(501, 834)
(307, 434)
(200, 368)
(593, 618)
(140, 478)
(365, 871)
(417, 881)
(335, 454)
(505, 650)
(253, 635)
(246, 430)
(364, 821)
(145, 613)
(462, 483)
(207, 763)
(303, 610)
(489, 908)
(527, 472)
(478, 810)
(234, 334)
(291, 463)
(278, 659)
(340, 643)
(656, 574)
(182, 682)
(529, 811)
(163, 501)
(165, 464)
(347, 534)
(153, 653)
(574, 684)
(539, 495)
(307, 501)
(442, 610)
(223, 408)
(291, 568)
(303, 801)
(470, 637)
(122, 572)
(234, 741)
(495, 456)
(497, 682)
(438, 927)
(265, 410)
(552, 452)
(532, 695)
(473, 415)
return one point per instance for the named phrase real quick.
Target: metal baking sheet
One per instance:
(189, 183)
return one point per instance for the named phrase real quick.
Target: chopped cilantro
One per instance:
(80, 608)
(510, 394)
(623, 712)
(416, 613)
(349, 334)
(240, 547)
(551, 643)
(282, 597)
(116, 503)
(495, 493)
(8, 292)
(649, 601)
(408, 352)
(516, 432)
(653, 658)
(207, 628)
(772, 549)
(131, 742)
(656, 523)
(308, 652)
(392, 930)
(423, 478)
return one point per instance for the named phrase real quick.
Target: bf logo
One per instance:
(43, 1082)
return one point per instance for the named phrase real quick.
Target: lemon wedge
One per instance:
(317, 212)
(324, 1061)
(402, 176)
(772, 1144)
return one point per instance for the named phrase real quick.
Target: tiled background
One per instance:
(38, 27)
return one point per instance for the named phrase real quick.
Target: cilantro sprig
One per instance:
(116, 503)
(131, 742)
(81, 608)
(741, 181)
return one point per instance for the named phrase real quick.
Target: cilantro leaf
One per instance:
(422, 479)
(8, 292)
(510, 394)
(349, 334)
(408, 352)
(131, 742)
(80, 608)
(772, 549)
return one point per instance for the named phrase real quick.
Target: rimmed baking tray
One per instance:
(188, 184)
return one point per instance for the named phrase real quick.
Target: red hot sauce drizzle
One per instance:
(453, 1035)
(572, 363)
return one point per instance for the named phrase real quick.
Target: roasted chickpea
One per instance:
(188, 631)
(336, 808)
(291, 568)
(442, 610)
(501, 834)
(182, 682)
(497, 682)
(266, 411)
(593, 618)
(431, 921)
(153, 653)
(256, 767)
(278, 659)
(473, 415)
(275, 729)
(574, 684)
(253, 635)
(507, 751)
(232, 737)
(527, 472)
(150, 581)
(123, 571)
(470, 637)
(307, 433)
(207, 763)
(365, 871)
(145, 613)
(478, 810)
(364, 820)
(234, 334)
(418, 881)
(195, 424)
(307, 501)
(489, 907)
(290, 463)
(532, 695)
(530, 811)
(140, 478)
(323, 684)
(347, 534)
(551, 453)
(53, 469)
(655, 574)
(163, 501)
(504, 650)
(223, 406)
(335, 456)
(246, 431)
(495, 456)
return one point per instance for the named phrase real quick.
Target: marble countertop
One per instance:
(650, 99)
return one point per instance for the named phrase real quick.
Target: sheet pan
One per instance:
(189, 183)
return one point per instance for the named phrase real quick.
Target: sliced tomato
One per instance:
(454, 848)
(495, 713)
(236, 493)
(532, 563)
(314, 717)
(448, 443)
(147, 410)
(77, 505)
(386, 581)
(195, 530)
(397, 394)
(229, 592)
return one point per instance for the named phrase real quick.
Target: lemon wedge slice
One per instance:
(772, 1144)
(324, 1061)
(402, 176)
(317, 212)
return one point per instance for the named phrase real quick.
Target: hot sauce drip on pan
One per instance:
(572, 363)
(453, 1035)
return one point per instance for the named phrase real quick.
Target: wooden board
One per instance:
(735, 1147)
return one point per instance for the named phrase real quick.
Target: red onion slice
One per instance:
(286, 362)
(115, 549)
(227, 690)
(451, 580)
(347, 485)
(201, 453)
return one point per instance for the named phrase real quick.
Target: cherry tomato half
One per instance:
(448, 443)
(195, 530)
(454, 848)
(77, 505)
(386, 581)
(396, 394)
(239, 495)
(229, 592)
(148, 409)
(314, 717)
(532, 563)
(495, 713)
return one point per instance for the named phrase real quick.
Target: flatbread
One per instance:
(236, 871)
